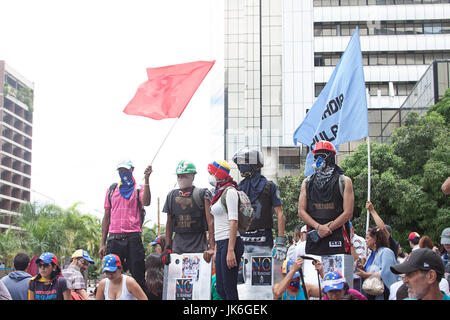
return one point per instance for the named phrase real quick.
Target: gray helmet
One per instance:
(249, 156)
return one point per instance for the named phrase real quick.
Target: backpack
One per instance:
(245, 210)
(142, 210)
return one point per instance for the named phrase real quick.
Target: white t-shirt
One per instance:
(300, 249)
(221, 217)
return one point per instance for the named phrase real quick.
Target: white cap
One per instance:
(127, 164)
(303, 229)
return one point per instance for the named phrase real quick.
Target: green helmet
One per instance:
(185, 167)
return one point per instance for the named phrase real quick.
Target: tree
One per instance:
(406, 177)
(289, 188)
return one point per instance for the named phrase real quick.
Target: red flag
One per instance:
(168, 90)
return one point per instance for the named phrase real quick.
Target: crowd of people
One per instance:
(235, 219)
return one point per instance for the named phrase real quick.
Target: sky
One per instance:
(86, 60)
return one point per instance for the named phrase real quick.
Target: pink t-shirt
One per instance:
(125, 215)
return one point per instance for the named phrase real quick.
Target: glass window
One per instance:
(427, 28)
(373, 60)
(381, 1)
(382, 59)
(372, 2)
(410, 58)
(437, 28)
(317, 3)
(391, 59)
(335, 3)
(400, 28)
(365, 59)
(318, 61)
(363, 30)
(401, 58)
(418, 58)
(445, 27)
(345, 30)
(429, 57)
(409, 28)
(418, 28)
(318, 30)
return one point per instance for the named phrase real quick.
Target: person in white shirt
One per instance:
(413, 240)
(299, 239)
(229, 245)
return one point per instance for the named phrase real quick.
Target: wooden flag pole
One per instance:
(158, 219)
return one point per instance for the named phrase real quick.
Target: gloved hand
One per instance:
(165, 255)
(280, 248)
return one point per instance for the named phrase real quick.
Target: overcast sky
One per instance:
(86, 60)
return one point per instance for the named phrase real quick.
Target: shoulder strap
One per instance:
(111, 190)
(196, 194)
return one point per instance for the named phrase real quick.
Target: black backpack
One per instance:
(142, 210)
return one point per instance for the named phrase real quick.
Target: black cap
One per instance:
(420, 259)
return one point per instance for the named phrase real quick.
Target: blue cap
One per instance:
(80, 253)
(286, 267)
(111, 262)
(157, 241)
(333, 281)
(47, 257)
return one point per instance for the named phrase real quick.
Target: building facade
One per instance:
(279, 54)
(16, 127)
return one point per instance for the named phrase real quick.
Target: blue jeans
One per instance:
(226, 279)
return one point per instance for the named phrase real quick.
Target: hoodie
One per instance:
(17, 284)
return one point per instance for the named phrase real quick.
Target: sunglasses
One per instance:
(83, 262)
(43, 265)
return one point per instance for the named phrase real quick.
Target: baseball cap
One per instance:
(111, 262)
(47, 257)
(420, 259)
(413, 236)
(445, 236)
(127, 164)
(157, 241)
(333, 281)
(286, 267)
(304, 228)
(80, 253)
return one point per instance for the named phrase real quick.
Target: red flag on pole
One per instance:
(168, 90)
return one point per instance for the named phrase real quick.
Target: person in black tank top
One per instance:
(326, 204)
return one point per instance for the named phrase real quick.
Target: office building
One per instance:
(16, 127)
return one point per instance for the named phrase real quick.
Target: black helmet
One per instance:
(249, 156)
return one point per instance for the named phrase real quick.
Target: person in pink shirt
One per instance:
(123, 220)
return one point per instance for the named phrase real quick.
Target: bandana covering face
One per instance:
(126, 185)
(253, 185)
(221, 186)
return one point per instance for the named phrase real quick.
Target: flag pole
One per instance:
(368, 180)
(168, 133)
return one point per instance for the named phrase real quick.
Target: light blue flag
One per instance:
(340, 112)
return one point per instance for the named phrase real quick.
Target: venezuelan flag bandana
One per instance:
(126, 184)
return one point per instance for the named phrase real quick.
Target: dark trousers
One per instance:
(226, 279)
(132, 255)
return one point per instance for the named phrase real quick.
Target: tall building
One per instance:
(16, 127)
(280, 54)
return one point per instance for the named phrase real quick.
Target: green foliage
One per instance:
(406, 177)
(290, 192)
